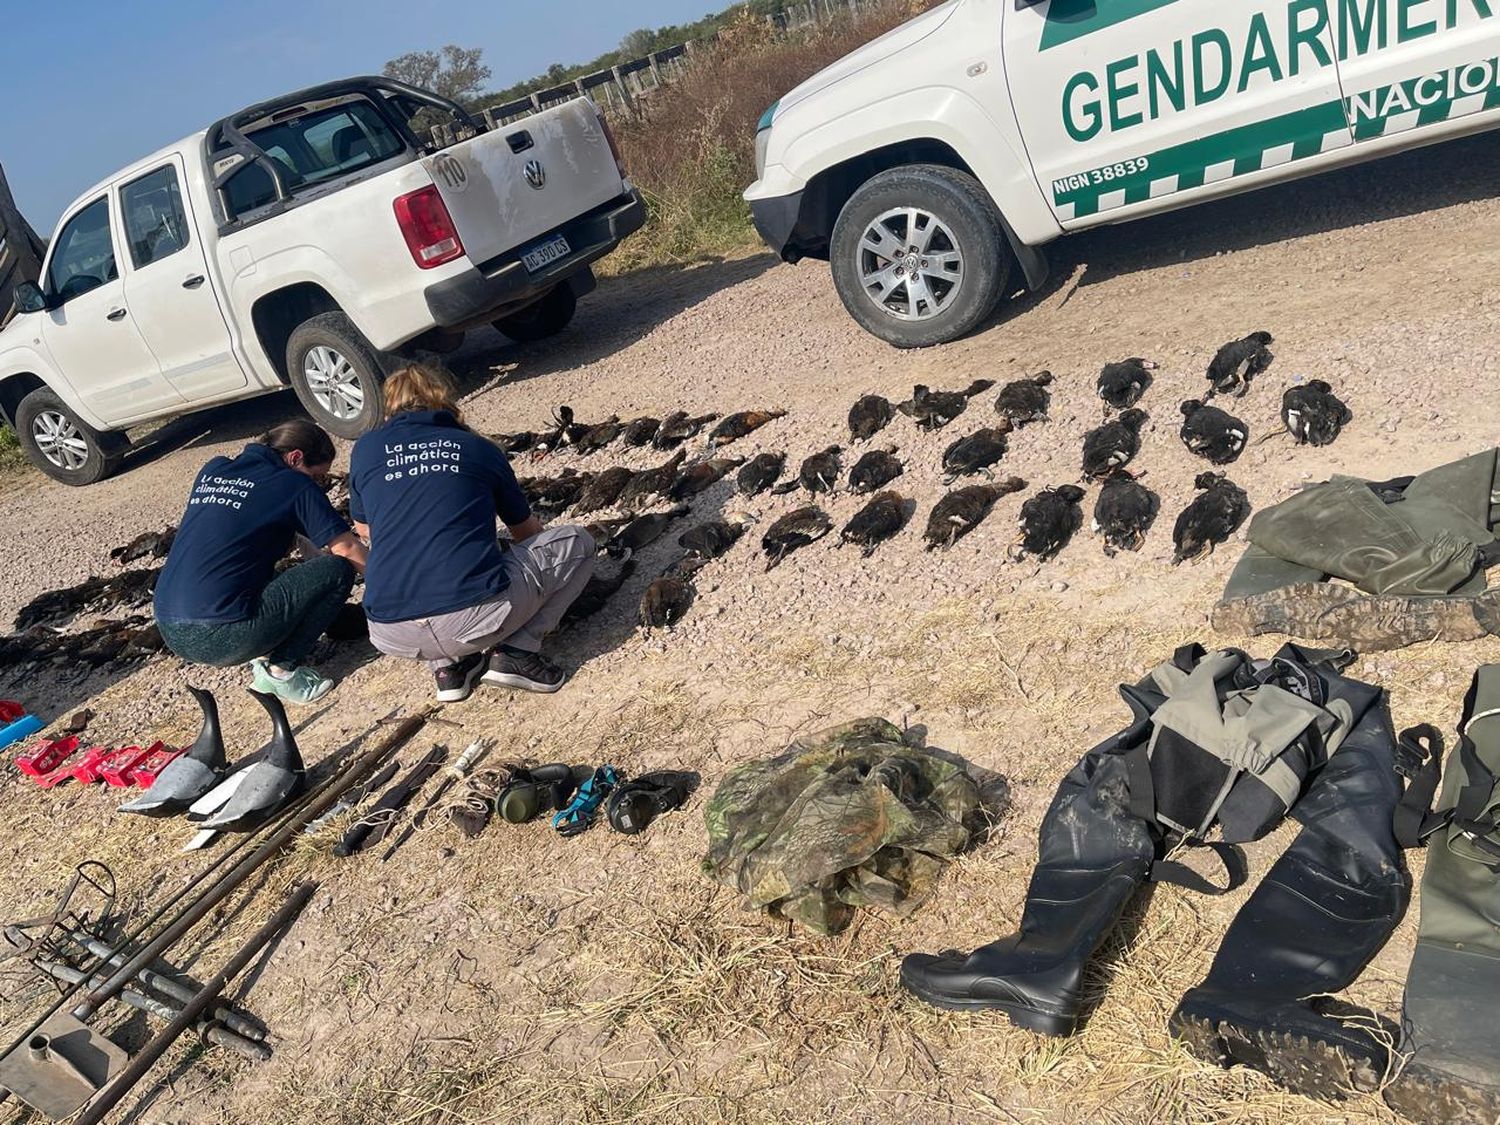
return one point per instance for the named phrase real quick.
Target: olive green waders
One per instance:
(1451, 1018)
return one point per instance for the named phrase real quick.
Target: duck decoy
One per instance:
(1026, 400)
(1215, 514)
(1113, 445)
(964, 509)
(190, 776)
(1122, 384)
(1211, 433)
(1237, 362)
(266, 782)
(1050, 519)
(870, 415)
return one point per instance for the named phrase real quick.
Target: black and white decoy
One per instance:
(265, 782)
(190, 776)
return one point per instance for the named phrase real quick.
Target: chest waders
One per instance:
(1311, 926)
(1450, 1028)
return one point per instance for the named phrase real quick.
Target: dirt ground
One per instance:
(526, 977)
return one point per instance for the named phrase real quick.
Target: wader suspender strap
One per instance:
(1468, 816)
(1419, 759)
(1170, 871)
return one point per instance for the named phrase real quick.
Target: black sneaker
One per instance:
(455, 683)
(524, 671)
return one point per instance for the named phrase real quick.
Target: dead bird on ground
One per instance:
(695, 478)
(97, 595)
(1215, 514)
(551, 496)
(759, 473)
(665, 602)
(642, 531)
(603, 490)
(961, 511)
(1050, 519)
(597, 591)
(640, 431)
(882, 518)
(1026, 400)
(875, 470)
(743, 424)
(932, 410)
(712, 539)
(148, 545)
(677, 428)
(1122, 384)
(1237, 362)
(977, 452)
(652, 483)
(1212, 433)
(870, 415)
(819, 473)
(597, 437)
(792, 532)
(1124, 512)
(128, 641)
(1313, 414)
(523, 442)
(1113, 445)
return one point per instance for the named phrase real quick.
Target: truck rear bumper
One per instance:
(503, 285)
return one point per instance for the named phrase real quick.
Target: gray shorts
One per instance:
(547, 572)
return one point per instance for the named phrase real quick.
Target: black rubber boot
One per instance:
(1324, 909)
(1095, 853)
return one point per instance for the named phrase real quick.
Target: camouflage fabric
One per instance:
(1324, 611)
(848, 817)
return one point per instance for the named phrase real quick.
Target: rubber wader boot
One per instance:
(1095, 852)
(1450, 1033)
(1325, 908)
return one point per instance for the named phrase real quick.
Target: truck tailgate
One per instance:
(506, 187)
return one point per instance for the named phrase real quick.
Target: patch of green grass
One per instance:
(11, 457)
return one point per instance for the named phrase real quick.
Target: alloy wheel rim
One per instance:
(910, 264)
(333, 382)
(60, 441)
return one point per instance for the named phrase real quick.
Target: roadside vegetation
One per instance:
(11, 457)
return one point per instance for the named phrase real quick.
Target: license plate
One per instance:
(554, 249)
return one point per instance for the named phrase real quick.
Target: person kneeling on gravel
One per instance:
(426, 492)
(219, 600)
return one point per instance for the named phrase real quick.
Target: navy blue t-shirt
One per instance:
(430, 491)
(240, 521)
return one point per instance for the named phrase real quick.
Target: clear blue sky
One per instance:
(87, 86)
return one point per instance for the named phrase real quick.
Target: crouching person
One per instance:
(426, 493)
(219, 600)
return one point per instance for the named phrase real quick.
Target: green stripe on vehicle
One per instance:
(1068, 20)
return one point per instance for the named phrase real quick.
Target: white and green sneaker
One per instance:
(303, 685)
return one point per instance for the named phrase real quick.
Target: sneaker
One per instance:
(455, 683)
(305, 685)
(524, 671)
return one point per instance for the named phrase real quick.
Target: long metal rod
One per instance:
(146, 1058)
(231, 879)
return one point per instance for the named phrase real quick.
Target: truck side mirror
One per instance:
(29, 297)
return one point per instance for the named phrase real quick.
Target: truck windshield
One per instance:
(328, 142)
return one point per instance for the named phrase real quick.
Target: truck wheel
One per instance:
(336, 374)
(546, 318)
(63, 445)
(919, 255)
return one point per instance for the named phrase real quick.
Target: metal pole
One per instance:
(146, 1059)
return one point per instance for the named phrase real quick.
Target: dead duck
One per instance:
(652, 483)
(1050, 519)
(870, 415)
(1124, 512)
(1113, 445)
(819, 473)
(875, 470)
(597, 437)
(678, 427)
(603, 490)
(1215, 514)
(881, 519)
(192, 775)
(97, 595)
(1212, 433)
(267, 780)
(1026, 400)
(640, 431)
(695, 478)
(150, 545)
(642, 531)
(964, 509)
(551, 496)
(932, 410)
(712, 539)
(792, 532)
(977, 452)
(522, 442)
(1237, 362)
(665, 602)
(743, 424)
(1313, 414)
(1122, 384)
(598, 590)
(759, 473)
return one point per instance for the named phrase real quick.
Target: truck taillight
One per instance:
(609, 135)
(428, 228)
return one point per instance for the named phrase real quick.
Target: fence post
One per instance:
(624, 90)
(656, 75)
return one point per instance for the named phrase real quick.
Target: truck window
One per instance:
(85, 256)
(330, 142)
(155, 225)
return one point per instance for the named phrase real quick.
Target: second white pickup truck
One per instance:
(311, 240)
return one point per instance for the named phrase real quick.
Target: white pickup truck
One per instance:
(927, 164)
(311, 240)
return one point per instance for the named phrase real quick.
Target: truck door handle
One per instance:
(115, 314)
(193, 282)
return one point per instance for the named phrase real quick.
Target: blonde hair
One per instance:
(417, 387)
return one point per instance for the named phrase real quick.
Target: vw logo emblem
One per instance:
(536, 175)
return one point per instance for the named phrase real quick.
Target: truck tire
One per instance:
(337, 374)
(546, 318)
(919, 255)
(63, 445)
